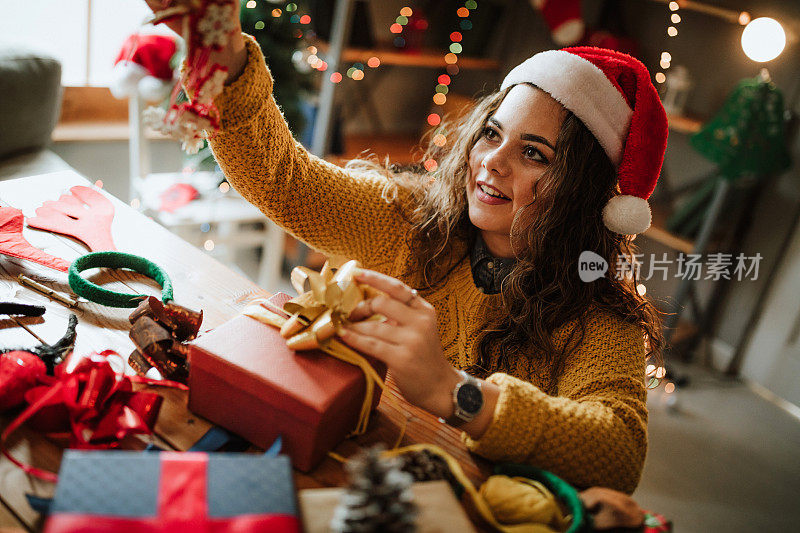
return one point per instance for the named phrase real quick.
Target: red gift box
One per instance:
(243, 377)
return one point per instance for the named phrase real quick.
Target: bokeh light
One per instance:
(763, 39)
(434, 119)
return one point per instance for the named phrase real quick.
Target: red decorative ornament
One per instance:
(177, 196)
(19, 372)
(209, 24)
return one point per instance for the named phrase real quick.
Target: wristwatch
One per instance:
(467, 400)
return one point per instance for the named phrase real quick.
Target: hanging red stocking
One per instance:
(13, 244)
(564, 19)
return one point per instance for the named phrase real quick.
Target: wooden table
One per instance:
(200, 282)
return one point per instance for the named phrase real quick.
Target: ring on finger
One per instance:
(412, 297)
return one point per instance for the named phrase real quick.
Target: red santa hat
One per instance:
(143, 66)
(611, 93)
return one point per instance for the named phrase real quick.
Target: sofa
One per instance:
(30, 101)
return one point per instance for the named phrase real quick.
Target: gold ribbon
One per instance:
(320, 311)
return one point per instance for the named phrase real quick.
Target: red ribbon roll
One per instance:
(93, 405)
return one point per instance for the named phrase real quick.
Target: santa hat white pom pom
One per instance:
(154, 89)
(627, 215)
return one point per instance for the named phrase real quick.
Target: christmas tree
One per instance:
(277, 27)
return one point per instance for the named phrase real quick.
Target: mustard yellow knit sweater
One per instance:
(589, 425)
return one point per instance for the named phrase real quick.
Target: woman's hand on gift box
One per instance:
(408, 342)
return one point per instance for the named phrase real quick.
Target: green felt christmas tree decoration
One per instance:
(748, 135)
(746, 140)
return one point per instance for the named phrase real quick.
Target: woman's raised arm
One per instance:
(336, 211)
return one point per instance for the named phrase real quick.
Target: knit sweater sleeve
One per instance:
(594, 432)
(335, 211)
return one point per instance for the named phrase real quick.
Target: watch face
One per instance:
(469, 398)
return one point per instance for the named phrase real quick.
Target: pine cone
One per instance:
(379, 497)
(427, 466)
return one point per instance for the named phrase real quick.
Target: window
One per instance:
(85, 35)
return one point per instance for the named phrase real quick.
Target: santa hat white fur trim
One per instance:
(583, 89)
(627, 215)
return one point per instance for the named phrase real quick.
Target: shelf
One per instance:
(684, 124)
(427, 58)
(399, 149)
(98, 131)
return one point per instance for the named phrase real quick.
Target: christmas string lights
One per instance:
(444, 80)
(665, 61)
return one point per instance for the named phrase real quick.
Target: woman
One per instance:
(479, 262)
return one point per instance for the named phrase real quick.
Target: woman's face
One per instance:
(515, 148)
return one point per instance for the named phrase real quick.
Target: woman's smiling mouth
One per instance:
(490, 195)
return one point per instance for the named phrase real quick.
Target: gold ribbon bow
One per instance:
(325, 302)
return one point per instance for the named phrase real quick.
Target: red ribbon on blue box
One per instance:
(174, 492)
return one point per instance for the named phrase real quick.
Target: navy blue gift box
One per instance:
(173, 491)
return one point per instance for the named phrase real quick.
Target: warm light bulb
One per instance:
(672, 31)
(675, 18)
(763, 39)
(661, 77)
(744, 18)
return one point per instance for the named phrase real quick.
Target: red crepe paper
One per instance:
(12, 242)
(19, 372)
(85, 214)
(177, 196)
(182, 507)
(93, 406)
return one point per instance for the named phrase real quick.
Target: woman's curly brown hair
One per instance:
(543, 291)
